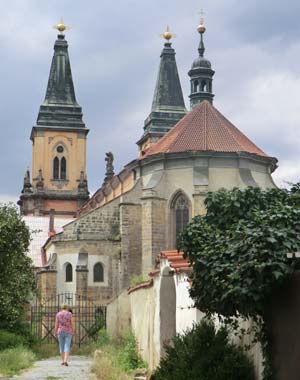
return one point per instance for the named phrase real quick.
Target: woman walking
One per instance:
(64, 330)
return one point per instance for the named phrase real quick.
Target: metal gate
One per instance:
(88, 317)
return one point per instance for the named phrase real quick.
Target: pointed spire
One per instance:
(60, 108)
(168, 104)
(201, 73)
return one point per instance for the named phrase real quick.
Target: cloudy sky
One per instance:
(114, 48)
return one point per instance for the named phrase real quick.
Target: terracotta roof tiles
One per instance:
(176, 260)
(204, 129)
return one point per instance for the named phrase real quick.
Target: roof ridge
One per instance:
(219, 115)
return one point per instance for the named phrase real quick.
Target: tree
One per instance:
(239, 251)
(16, 268)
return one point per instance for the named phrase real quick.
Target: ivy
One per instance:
(239, 253)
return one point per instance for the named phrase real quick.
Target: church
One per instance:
(95, 246)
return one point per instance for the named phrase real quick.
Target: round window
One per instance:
(60, 149)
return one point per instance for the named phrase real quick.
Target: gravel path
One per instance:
(51, 369)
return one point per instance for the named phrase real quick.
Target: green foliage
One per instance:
(137, 280)
(10, 340)
(16, 270)
(116, 358)
(202, 353)
(239, 252)
(15, 359)
(129, 356)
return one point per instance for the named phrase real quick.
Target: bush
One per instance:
(129, 356)
(202, 353)
(15, 359)
(10, 340)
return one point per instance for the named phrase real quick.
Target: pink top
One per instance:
(64, 319)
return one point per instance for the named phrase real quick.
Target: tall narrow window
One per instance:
(196, 86)
(69, 273)
(181, 214)
(56, 168)
(98, 272)
(63, 168)
(203, 85)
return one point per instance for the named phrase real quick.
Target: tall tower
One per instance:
(168, 103)
(58, 145)
(201, 74)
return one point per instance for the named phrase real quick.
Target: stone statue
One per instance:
(109, 167)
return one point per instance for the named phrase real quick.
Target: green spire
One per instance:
(168, 104)
(201, 74)
(60, 108)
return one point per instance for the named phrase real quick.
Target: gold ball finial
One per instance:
(201, 27)
(61, 27)
(167, 35)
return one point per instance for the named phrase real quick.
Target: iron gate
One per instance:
(89, 318)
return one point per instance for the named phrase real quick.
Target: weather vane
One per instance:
(167, 35)
(61, 27)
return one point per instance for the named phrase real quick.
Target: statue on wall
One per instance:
(109, 167)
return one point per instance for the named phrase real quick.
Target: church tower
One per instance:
(201, 74)
(168, 103)
(58, 145)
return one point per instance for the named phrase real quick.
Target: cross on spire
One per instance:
(61, 27)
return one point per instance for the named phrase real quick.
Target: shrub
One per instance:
(129, 356)
(15, 359)
(202, 353)
(10, 340)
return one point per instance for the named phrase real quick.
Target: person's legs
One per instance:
(67, 346)
(61, 342)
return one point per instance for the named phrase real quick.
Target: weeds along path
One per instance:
(51, 369)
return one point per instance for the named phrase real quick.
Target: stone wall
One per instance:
(119, 315)
(100, 223)
(131, 243)
(154, 225)
(46, 283)
(144, 324)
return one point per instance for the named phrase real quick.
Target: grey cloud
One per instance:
(114, 50)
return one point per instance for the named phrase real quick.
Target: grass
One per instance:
(116, 359)
(137, 280)
(13, 360)
(45, 350)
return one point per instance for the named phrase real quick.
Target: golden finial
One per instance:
(167, 35)
(201, 27)
(61, 27)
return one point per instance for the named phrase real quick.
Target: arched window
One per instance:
(60, 168)
(98, 272)
(56, 168)
(203, 85)
(63, 168)
(69, 273)
(181, 209)
(180, 215)
(196, 86)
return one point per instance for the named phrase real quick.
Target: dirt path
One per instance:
(51, 369)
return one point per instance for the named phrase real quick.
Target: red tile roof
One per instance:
(176, 260)
(204, 129)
